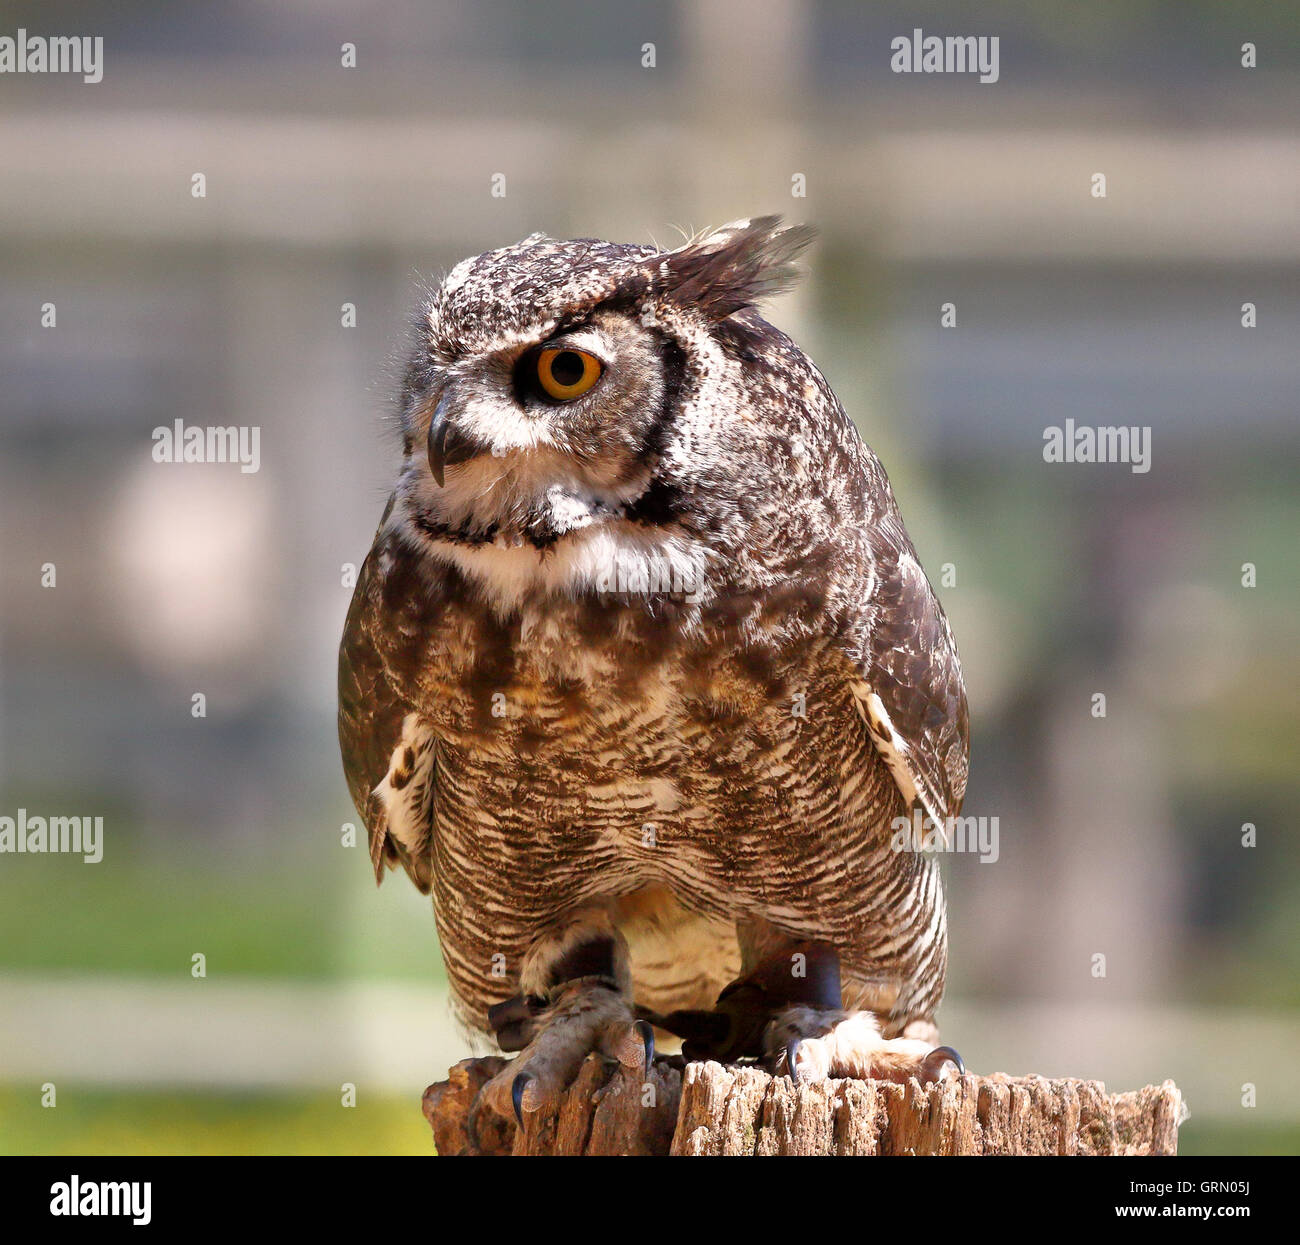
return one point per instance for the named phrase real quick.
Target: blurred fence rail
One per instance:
(1020, 193)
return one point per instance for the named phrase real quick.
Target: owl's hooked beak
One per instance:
(448, 445)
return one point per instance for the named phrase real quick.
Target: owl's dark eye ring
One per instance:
(564, 373)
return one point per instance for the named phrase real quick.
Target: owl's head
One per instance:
(558, 389)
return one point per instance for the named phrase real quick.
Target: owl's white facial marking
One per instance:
(608, 555)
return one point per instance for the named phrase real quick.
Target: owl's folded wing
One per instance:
(908, 683)
(389, 752)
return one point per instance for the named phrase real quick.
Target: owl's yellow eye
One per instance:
(567, 374)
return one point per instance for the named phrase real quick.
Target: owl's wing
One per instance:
(908, 683)
(389, 752)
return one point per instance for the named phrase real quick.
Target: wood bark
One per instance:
(711, 1109)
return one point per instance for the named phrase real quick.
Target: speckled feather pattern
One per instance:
(563, 720)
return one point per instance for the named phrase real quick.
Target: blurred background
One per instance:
(329, 185)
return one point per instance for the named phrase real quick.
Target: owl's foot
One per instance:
(788, 1011)
(809, 1043)
(583, 1016)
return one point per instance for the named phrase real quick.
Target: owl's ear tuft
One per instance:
(734, 266)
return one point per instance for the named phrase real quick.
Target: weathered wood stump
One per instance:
(710, 1109)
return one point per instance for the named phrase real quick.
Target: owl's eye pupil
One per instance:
(568, 368)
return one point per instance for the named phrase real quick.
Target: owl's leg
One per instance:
(576, 1000)
(801, 973)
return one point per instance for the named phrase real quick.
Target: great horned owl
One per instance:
(642, 674)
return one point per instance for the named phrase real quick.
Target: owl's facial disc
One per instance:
(556, 373)
(544, 436)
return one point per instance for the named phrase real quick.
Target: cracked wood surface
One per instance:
(709, 1109)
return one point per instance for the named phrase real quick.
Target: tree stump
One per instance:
(708, 1108)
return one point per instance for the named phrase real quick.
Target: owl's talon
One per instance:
(521, 1083)
(646, 1030)
(932, 1064)
(792, 1058)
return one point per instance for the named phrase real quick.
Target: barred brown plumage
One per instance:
(637, 683)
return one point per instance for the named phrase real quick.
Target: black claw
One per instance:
(517, 1094)
(944, 1054)
(792, 1056)
(646, 1030)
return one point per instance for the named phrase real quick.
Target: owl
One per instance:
(643, 681)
